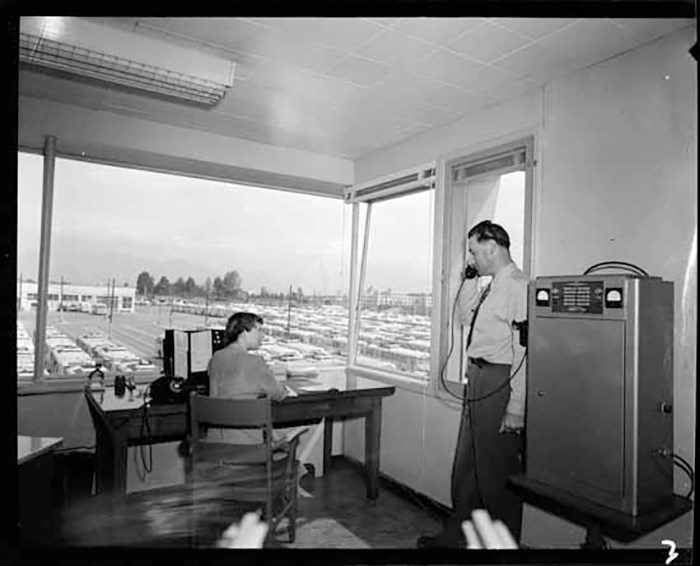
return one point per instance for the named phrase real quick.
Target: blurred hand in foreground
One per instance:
(482, 532)
(249, 533)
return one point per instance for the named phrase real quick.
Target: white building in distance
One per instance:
(85, 298)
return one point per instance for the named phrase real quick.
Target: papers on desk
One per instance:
(301, 369)
(314, 387)
(290, 391)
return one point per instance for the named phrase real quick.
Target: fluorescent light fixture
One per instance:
(115, 56)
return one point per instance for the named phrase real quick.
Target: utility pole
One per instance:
(60, 301)
(111, 305)
(206, 304)
(289, 313)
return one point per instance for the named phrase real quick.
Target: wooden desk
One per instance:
(31, 447)
(129, 422)
(596, 519)
(35, 495)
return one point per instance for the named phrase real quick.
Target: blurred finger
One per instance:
(484, 526)
(473, 542)
(506, 540)
(251, 537)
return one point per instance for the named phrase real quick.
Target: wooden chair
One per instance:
(264, 472)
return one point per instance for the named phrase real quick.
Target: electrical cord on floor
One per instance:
(626, 266)
(685, 466)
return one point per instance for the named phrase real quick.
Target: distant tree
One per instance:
(162, 287)
(232, 283)
(190, 287)
(144, 284)
(264, 293)
(218, 288)
(178, 288)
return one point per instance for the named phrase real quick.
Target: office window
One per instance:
(395, 303)
(200, 249)
(492, 185)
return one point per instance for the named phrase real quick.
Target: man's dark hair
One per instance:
(237, 323)
(487, 230)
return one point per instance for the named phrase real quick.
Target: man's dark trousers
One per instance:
(484, 457)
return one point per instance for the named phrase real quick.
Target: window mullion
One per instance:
(361, 280)
(352, 337)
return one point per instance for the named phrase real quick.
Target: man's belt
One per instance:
(481, 362)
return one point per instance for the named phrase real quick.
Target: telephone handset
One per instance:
(471, 272)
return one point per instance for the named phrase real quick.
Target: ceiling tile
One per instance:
(447, 97)
(534, 28)
(395, 49)
(455, 99)
(537, 63)
(291, 27)
(438, 31)
(360, 71)
(384, 21)
(441, 65)
(518, 88)
(486, 79)
(649, 29)
(405, 86)
(433, 115)
(298, 52)
(346, 34)
(487, 43)
(590, 41)
(232, 33)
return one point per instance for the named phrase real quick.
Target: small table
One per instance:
(598, 521)
(125, 419)
(35, 493)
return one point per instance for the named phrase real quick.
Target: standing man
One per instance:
(489, 444)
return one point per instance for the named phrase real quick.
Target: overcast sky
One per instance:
(116, 222)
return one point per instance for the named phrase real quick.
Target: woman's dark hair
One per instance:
(237, 323)
(487, 230)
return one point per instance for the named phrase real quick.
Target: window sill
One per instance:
(67, 385)
(419, 386)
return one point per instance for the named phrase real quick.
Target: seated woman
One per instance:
(236, 373)
(233, 372)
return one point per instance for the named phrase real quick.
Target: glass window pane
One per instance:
(29, 191)
(134, 252)
(501, 198)
(396, 301)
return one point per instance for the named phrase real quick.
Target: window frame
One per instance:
(443, 314)
(357, 271)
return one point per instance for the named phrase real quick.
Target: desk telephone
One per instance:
(173, 390)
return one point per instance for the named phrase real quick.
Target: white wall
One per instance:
(616, 179)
